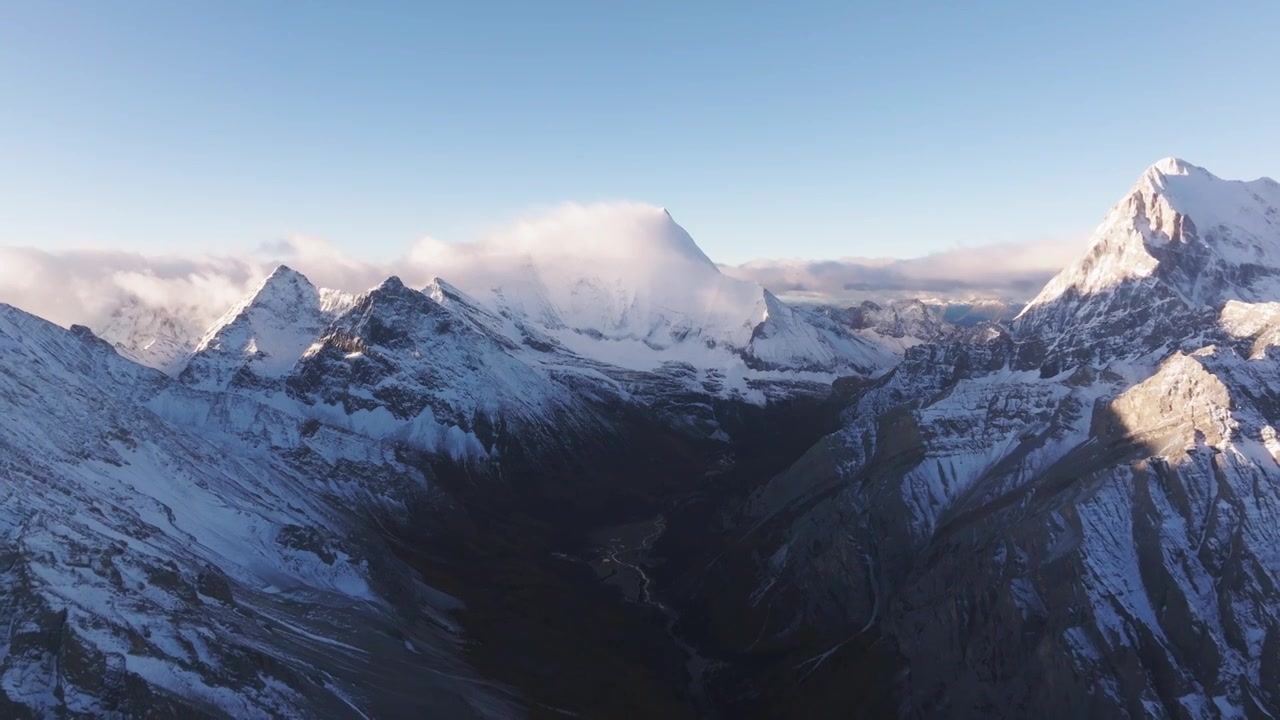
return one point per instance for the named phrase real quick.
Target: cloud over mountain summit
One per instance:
(86, 286)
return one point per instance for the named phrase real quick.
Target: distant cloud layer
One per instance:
(1013, 272)
(85, 286)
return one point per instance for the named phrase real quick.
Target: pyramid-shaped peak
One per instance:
(281, 298)
(283, 288)
(1181, 234)
(393, 293)
(442, 284)
(619, 234)
(1176, 166)
(281, 283)
(285, 274)
(391, 284)
(440, 288)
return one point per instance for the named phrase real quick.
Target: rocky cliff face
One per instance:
(1074, 517)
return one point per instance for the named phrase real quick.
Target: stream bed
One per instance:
(620, 557)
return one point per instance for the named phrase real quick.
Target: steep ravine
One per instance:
(583, 608)
(709, 563)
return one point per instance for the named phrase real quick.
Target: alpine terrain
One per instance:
(596, 477)
(1070, 516)
(334, 505)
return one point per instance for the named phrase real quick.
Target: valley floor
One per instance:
(581, 618)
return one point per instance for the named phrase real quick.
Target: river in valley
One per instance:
(620, 557)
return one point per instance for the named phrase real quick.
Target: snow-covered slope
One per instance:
(400, 365)
(264, 334)
(157, 337)
(626, 285)
(159, 559)
(1181, 243)
(1075, 518)
(622, 272)
(1209, 239)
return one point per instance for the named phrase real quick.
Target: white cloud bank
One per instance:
(85, 286)
(1011, 272)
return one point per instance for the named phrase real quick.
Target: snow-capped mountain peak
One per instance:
(1173, 166)
(643, 236)
(266, 332)
(622, 272)
(1182, 240)
(1108, 466)
(391, 284)
(443, 292)
(155, 336)
(1213, 238)
(625, 284)
(280, 292)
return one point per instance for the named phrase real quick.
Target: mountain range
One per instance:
(597, 476)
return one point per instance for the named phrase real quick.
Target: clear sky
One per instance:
(798, 129)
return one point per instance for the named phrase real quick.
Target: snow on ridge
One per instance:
(159, 541)
(1174, 166)
(619, 271)
(607, 232)
(601, 281)
(157, 337)
(608, 280)
(1181, 221)
(268, 330)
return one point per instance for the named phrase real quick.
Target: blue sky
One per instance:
(810, 129)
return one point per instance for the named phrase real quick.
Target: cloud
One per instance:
(1013, 272)
(86, 286)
